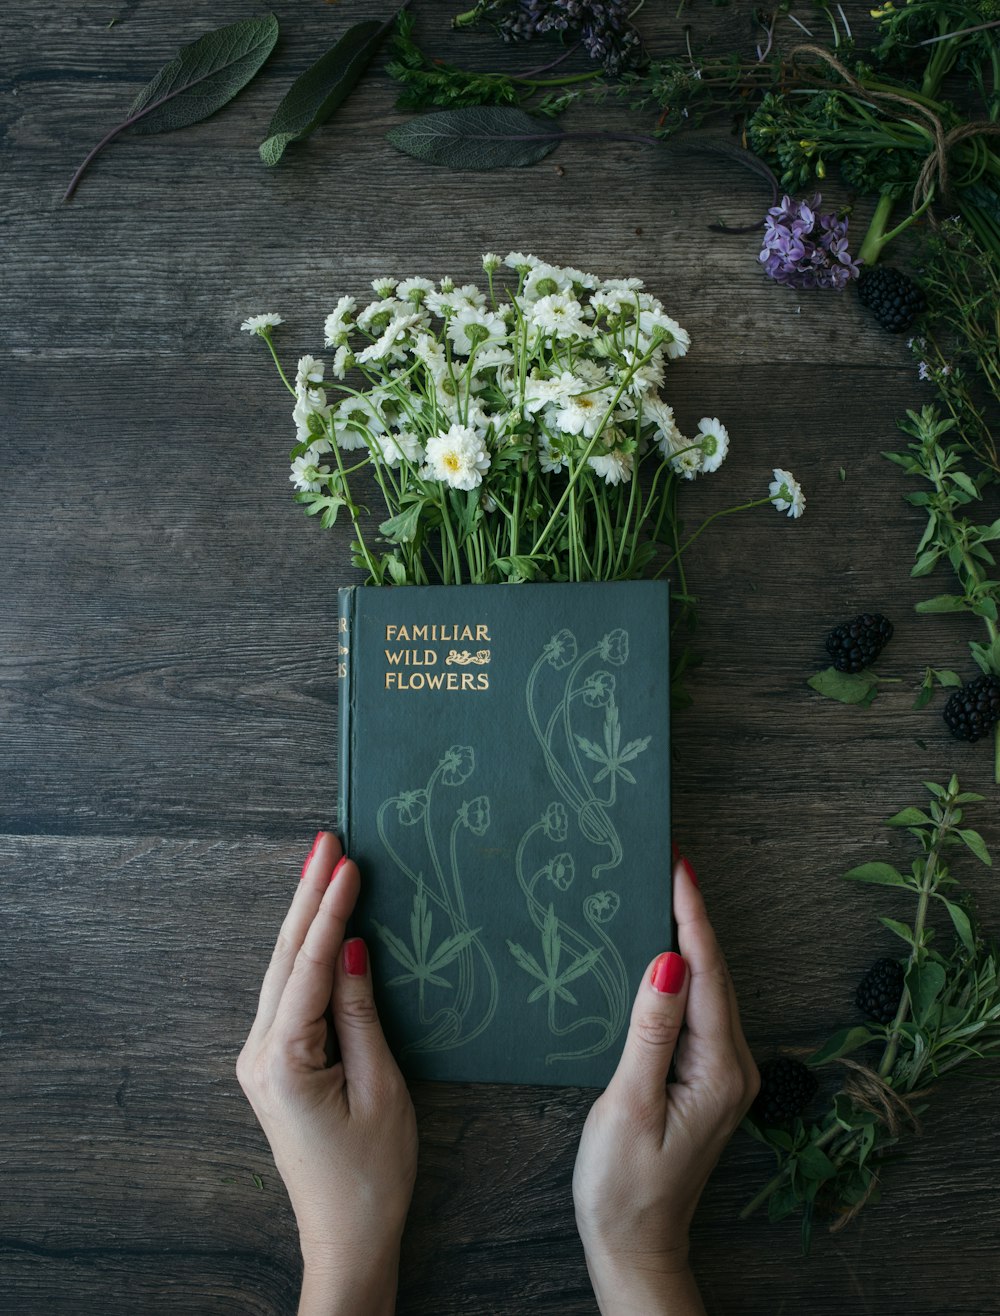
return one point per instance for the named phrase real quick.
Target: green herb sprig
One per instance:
(952, 536)
(948, 1016)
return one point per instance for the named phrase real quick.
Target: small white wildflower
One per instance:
(339, 323)
(385, 346)
(446, 284)
(614, 466)
(306, 473)
(309, 412)
(458, 457)
(657, 325)
(545, 281)
(516, 260)
(471, 327)
(583, 414)
(621, 285)
(539, 392)
(400, 445)
(260, 324)
(786, 493)
(560, 315)
(414, 290)
(488, 358)
(580, 278)
(687, 461)
(491, 261)
(431, 353)
(310, 371)
(468, 295)
(714, 442)
(343, 360)
(376, 315)
(352, 424)
(384, 285)
(552, 457)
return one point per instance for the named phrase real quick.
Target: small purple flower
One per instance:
(805, 249)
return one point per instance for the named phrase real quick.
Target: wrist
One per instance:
(635, 1284)
(337, 1285)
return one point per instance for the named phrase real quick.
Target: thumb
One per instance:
(363, 1049)
(657, 1015)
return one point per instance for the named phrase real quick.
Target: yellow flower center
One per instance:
(452, 463)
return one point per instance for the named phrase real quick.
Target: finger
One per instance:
(368, 1062)
(657, 1015)
(315, 879)
(309, 988)
(714, 1034)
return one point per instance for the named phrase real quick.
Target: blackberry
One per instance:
(853, 645)
(972, 711)
(879, 991)
(786, 1088)
(892, 295)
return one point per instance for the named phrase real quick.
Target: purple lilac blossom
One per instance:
(804, 249)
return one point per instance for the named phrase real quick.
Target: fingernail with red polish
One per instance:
(356, 958)
(337, 867)
(668, 973)
(690, 871)
(319, 837)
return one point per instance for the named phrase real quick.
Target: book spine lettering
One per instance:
(345, 707)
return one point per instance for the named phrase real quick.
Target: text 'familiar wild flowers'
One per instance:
(506, 427)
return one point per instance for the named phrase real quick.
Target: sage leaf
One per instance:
(924, 982)
(963, 925)
(902, 930)
(314, 96)
(845, 687)
(877, 874)
(815, 1163)
(943, 603)
(480, 137)
(910, 817)
(976, 844)
(841, 1044)
(203, 77)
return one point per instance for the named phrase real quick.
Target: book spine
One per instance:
(345, 710)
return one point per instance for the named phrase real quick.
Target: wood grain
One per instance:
(169, 712)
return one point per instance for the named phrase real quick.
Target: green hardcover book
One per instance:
(505, 790)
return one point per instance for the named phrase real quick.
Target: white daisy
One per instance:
(714, 440)
(431, 353)
(386, 345)
(306, 474)
(400, 445)
(539, 392)
(687, 462)
(583, 414)
(339, 323)
(260, 324)
(352, 424)
(552, 457)
(310, 371)
(459, 457)
(560, 315)
(488, 358)
(491, 261)
(621, 285)
(666, 436)
(614, 466)
(384, 285)
(786, 493)
(343, 360)
(309, 413)
(545, 281)
(516, 260)
(376, 315)
(656, 325)
(472, 327)
(414, 290)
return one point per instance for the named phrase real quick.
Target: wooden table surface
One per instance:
(168, 689)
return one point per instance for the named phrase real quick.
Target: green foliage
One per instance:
(846, 687)
(314, 96)
(949, 1016)
(433, 84)
(484, 137)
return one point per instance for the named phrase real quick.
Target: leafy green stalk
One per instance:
(948, 1015)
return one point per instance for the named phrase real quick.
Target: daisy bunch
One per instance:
(518, 431)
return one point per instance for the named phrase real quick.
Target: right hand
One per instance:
(649, 1146)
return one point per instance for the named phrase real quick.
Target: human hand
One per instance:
(343, 1133)
(649, 1146)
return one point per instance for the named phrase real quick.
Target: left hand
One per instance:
(343, 1134)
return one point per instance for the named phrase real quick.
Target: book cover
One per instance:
(505, 790)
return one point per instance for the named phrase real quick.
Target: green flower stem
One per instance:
(352, 509)
(726, 511)
(274, 356)
(875, 237)
(772, 1186)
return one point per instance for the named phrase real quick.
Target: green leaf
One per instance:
(450, 948)
(943, 603)
(963, 924)
(841, 1044)
(203, 77)
(924, 982)
(402, 528)
(926, 562)
(877, 874)
(815, 1163)
(907, 818)
(480, 137)
(964, 483)
(901, 929)
(976, 844)
(396, 947)
(846, 687)
(314, 96)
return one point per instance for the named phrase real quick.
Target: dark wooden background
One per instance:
(168, 693)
